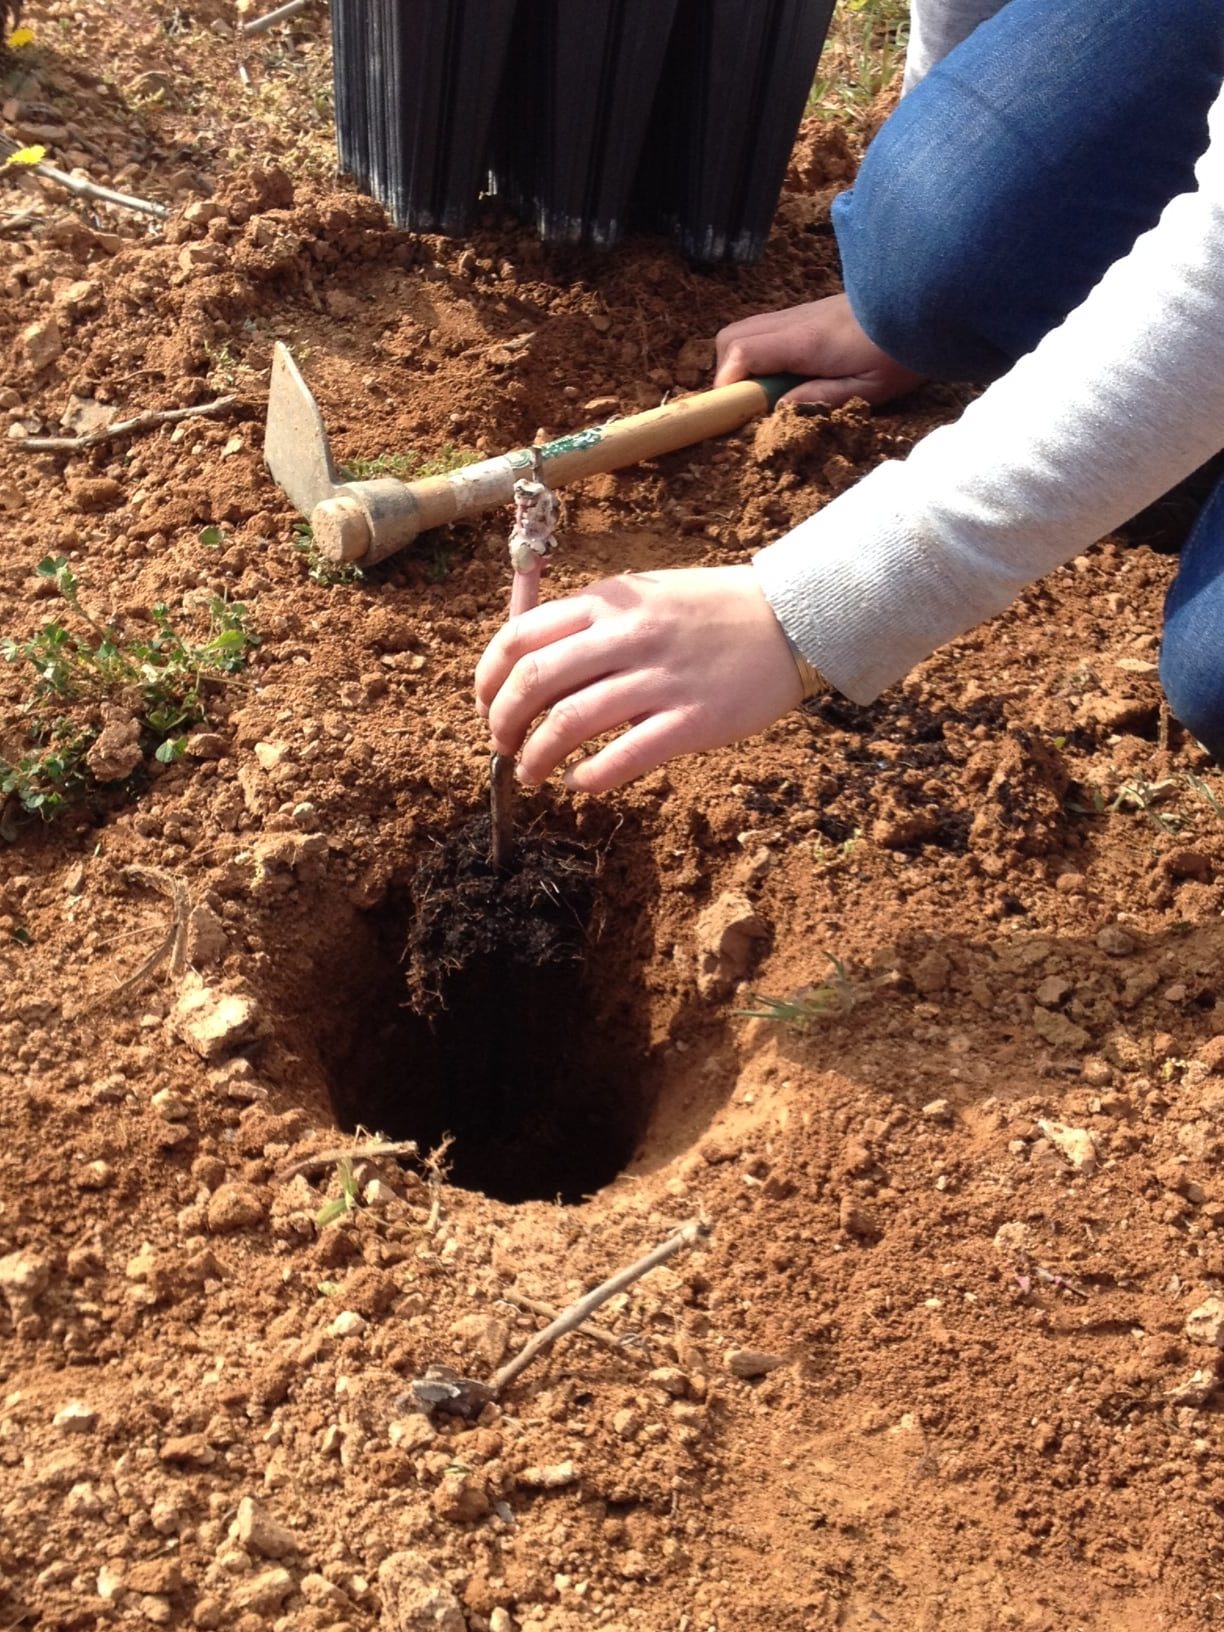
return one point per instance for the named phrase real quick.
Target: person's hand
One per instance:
(821, 341)
(677, 662)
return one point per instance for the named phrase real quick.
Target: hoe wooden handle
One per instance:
(366, 521)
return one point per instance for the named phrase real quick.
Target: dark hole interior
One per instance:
(498, 1028)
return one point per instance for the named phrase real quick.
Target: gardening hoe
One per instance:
(365, 521)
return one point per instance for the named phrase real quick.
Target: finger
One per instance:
(541, 677)
(758, 323)
(775, 352)
(833, 393)
(527, 633)
(644, 747)
(619, 700)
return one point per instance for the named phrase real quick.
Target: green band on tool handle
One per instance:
(775, 386)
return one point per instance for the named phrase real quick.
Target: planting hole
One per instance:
(485, 1009)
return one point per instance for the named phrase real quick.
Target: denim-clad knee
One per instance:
(1192, 647)
(1024, 165)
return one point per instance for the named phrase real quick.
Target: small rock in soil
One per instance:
(115, 752)
(1116, 940)
(728, 934)
(188, 1450)
(415, 1599)
(93, 494)
(550, 1476)
(258, 1532)
(855, 1219)
(462, 1497)
(75, 1418)
(235, 1207)
(23, 1277)
(1053, 1027)
(348, 1324)
(752, 1362)
(1206, 1323)
(1076, 1144)
(263, 1594)
(1197, 1388)
(41, 343)
(483, 1336)
(213, 1022)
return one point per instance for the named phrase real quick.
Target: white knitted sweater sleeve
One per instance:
(1113, 408)
(938, 25)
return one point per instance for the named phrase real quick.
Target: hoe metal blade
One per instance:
(295, 441)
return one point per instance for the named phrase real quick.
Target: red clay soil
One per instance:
(965, 1192)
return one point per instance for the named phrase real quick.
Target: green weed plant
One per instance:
(76, 663)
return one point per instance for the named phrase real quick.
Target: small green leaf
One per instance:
(212, 537)
(50, 565)
(171, 751)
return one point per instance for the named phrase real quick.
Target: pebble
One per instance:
(728, 935)
(1197, 1388)
(548, 1476)
(1206, 1323)
(171, 1107)
(23, 1278)
(1116, 941)
(1053, 1027)
(110, 1583)
(264, 1593)
(258, 1532)
(41, 342)
(213, 1022)
(484, 1336)
(752, 1362)
(97, 1175)
(235, 1207)
(937, 1110)
(165, 1518)
(415, 1598)
(188, 1449)
(1076, 1144)
(75, 1418)
(462, 1497)
(154, 1575)
(348, 1324)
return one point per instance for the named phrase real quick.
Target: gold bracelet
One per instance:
(814, 683)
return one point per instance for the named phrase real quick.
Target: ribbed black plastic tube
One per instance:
(580, 114)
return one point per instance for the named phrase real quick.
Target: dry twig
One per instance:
(122, 427)
(443, 1389)
(175, 944)
(282, 14)
(570, 1319)
(364, 1150)
(594, 1334)
(84, 188)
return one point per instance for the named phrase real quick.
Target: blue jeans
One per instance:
(999, 192)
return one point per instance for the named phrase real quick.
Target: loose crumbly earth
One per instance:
(971, 1205)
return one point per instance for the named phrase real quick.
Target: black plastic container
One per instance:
(575, 106)
(583, 115)
(730, 101)
(416, 85)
